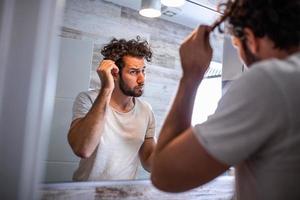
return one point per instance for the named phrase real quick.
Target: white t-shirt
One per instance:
(117, 155)
(256, 128)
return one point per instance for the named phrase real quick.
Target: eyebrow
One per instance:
(136, 68)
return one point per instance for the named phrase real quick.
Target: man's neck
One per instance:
(268, 50)
(121, 102)
(282, 54)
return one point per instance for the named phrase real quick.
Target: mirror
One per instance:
(86, 27)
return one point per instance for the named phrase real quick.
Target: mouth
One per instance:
(140, 87)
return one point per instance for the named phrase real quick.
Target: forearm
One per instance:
(146, 153)
(195, 55)
(179, 117)
(148, 162)
(84, 136)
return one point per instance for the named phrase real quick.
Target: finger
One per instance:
(190, 36)
(106, 65)
(203, 31)
(203, 35)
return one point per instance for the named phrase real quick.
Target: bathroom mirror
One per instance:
(89, 24)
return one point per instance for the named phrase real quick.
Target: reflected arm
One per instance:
(146, 153)
(85, 133)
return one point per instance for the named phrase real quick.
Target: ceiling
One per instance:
(191, 14)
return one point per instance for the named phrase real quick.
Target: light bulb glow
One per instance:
(150, 12)
(173, 3)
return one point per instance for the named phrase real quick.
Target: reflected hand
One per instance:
(196, 53)
(107, 70)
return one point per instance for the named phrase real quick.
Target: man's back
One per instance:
(256, 124)
(273, 170)
(256, 128)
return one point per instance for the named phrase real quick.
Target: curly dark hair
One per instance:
(116, 49)
(279, 20)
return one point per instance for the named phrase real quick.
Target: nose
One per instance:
(141, 78)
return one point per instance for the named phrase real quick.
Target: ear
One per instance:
(235, 41)
(115, 74)
(251, 40)
(116, 77)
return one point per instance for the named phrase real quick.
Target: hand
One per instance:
(107, 70)
(196, 53)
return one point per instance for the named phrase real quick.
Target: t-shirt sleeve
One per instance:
(248, 114)
(151, 125)
(82, 105)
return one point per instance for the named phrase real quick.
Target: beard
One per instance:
(137, 91)
(249, 57)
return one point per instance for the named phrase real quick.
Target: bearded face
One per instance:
(132, 76)
(135, 91)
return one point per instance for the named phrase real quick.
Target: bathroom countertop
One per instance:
(220, 188)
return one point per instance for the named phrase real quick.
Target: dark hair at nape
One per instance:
(279, 20)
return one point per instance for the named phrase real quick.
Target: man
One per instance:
(112, 128)
(256, 126)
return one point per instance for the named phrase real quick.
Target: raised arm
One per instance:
(180, 162)
(85, 133)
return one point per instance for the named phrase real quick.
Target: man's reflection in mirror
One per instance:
(112, 130)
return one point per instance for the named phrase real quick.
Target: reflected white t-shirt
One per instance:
(117, 155)
(256, 128)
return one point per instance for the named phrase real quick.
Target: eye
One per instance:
(133, 72)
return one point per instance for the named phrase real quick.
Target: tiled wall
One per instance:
(97, 21)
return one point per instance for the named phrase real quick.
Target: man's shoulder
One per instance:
(91, 92)
(276, 66)
(88, 95)
(267, 76)
(142, 103)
